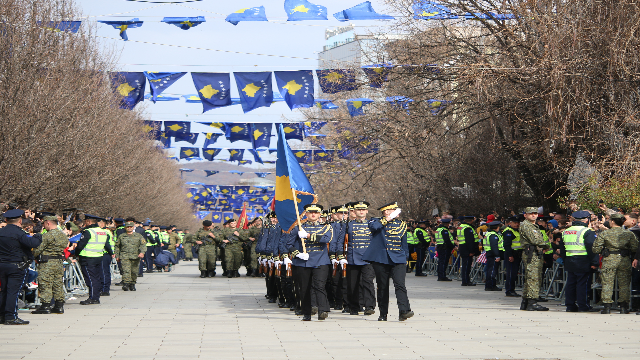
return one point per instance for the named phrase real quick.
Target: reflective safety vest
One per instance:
(425, 236)
(573, 239)
(150, 235)
(439, 236)
(165, 237)
(460, 232)
(411, 239)
(487, 245)
(515, 243)
(95, 246)
(112, 239)
(548, 240)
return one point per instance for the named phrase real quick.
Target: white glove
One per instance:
(395, 213)
(303, 256)
(278, 263)
(303, 234)
(287, 261)
(343, 262)
(334, 262)
(264, 262)
(270, 262)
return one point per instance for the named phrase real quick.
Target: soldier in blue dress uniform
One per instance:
(336, 253)
(360, 273)
(312, 266)
(388, 253)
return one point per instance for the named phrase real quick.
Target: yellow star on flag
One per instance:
(210, 152)
(241, 11)
(175, 127)
(189, 195)
(216, 217)
(424, 13)
(333, 77)
(216, 125)
(300, 8)
(237, 129)
(188, 152)
(322, 154)
(188, 23)
(436, 103)
(122, 28)
(147, 128)
(232, 152)
(300, 154)
(208, 91)
(292, 87)
(288, 130)
(357, 104)
(379, 70)
(257, 133)
(251, 90)
(125, 89)
(240, 192)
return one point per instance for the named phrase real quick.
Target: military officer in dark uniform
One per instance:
(388, 253)
(360, 273)
(312, 265)
(336, 253)
(15, 256)
(93, 243)
(444, 245)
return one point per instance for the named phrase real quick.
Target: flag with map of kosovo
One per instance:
(129, 86)
(210, 154)
(189, 152)
(260, 134)
(298, 10)
(255, 89)
(336, 80)
(356, 106)
(184, 23)
(236, 131)
(247, 14)
(160, 81)
(213, 89)
(290, 180)
(177, 128)
(296, 87)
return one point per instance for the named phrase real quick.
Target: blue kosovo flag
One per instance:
(298, 10)
(256, 156)
(356, 106)
(336, 80)
(228, 216)
(159, 81)
(216, 217)
(152, 128)
(129, 86)
(210, 154)
(236, 154)
(236, 172)
(431, 10)
(163, 98)
(210, 139)
(296, 87)
(244, 162)
(260, 135)
(303, 156)
(325, 104)
(123, 26)
(255, 89)
(189, 152)
(325, 155)
(436, 106)
(184, 23)
(236, 132)
(247, 14)
(164, 139)
(293, 131)
(202, 214)
(211, 172)
(292, 186)
(400, 102)
(213, 89)
(262, 174)
(377, 74)
(191, 138)
(192, 98)
(241, 190)
(177, 128)
(312, 127)
(67, 26)
(362, 11)
(226, 189)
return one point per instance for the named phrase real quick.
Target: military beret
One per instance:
(361, 205)
(13, 214)
(207, 223)
(530, 210)
(50, 218)
(389, 206)
(118, 220)
(129, 223)
(582, 214)
(616, 216)
(494, 223)
(313, 208)
(229, 221)
(94, 217)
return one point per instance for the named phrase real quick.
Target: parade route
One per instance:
(178, 315)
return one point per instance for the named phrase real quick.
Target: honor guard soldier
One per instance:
(360, 273)
(421, 235)
(616, 245)
(207, 253)
(15, 257)
(468, 247)
(579, 260)
(533, 244)
(93, 243)
(129, 249)
(388, 254)
(50, 255)
(337, 253)
(512, 255)
(444, 246)
(492, 244)
(312, 265)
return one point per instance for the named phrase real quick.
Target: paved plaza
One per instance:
(178, 315)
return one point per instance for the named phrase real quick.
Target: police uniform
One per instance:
(444, 246)
(576, 250)
(512, 250)
(422, 240)
(388, 254)
(107, 259)
(15, 256)
(151, 239)
(468, 246)
(93, 243)
(360, 273)
(493, 245)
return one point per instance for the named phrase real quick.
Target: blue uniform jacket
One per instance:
(271, 247)
(282, 243)
(262, 240)
(16, 244)
(319, 236)
(388, 242)
(359, 240)
(337, 244)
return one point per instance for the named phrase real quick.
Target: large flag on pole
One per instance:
(243, 221)
(290, 181)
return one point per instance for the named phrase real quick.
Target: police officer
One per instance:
(468, 247)
(93, 243)
(579, 261)
(533, 244)
(444, 246)
(360, 273)
(421, 235)
(15, 257)
(492, 244)
(50, 255)
(413, 244)
(512, 255)
(152, 241)
(388, 254)
(107, 260)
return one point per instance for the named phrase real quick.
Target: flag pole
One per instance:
(295, 205)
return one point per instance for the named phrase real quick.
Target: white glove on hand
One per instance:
(343, 262)
(395, 214)
(278, 263)
(264, 262)
(287, 261)
(334, 262)
(303, 256)
(270, 262)
(303, 234)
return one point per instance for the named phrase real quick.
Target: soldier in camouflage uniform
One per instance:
(207, 253)
(233, 239)
(616, 245)
(533, 243)
(174, 242)
(51, 271)
(249, 247)
(188, 242)
(129, 249)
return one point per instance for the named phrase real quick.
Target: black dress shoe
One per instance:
(149, 271)
(404, 315)
(292, 308)
(118, 283)
(572, 309)
(421, 274)
(512, 294)
(271, 301)
(89, 302)
(323, 315)
(464, 284)
(16, 321)
(369, 312)
(282, 305)
(314, 310)
(104, 293)
(354, 313)
(345, 310)
(299, 313)
(382, 318)
(471, 284)
(306, 318)
(337, 307)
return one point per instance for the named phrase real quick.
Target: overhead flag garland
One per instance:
(254, 89)
(362, 11)
(129, 86)
(247, 14)
(184, 23)
(123, 26)
(298, 10)
(160, 81)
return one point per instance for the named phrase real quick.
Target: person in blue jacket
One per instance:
(311, 267)
(339, 217)
(360, 273)
(388, 253)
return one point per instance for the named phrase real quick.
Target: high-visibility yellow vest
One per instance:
(573, 239)
(515, 243)
(439, 235)
(95, 246)
(149, 234)
(425, 235)
(460, 232)
(411, 239)
(548, 240)
(487, 245)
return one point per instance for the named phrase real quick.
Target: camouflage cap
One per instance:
(129, 223)
(616, 216)
(50, 218)
(73, 227)
(530, 209)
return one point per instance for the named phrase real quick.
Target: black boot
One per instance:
(606, 310)
(382, 317)
(323, 315)
(212, 273)
(58, 308)
(524, 303)
(534, 306)
(43, 309)
(132, 287)
(255, 273)
(306, 318)
(404, 315)
(203, 273)
(624, 307)
(230, 274)
(125, 287)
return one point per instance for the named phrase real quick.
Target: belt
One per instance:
(616, 252)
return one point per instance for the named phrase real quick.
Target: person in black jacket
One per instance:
(492, 243)
(15, 255)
